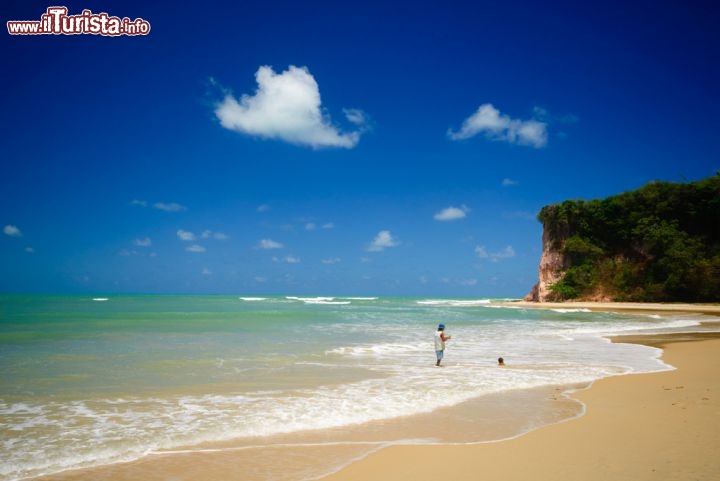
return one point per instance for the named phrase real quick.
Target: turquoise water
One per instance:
(89, 381)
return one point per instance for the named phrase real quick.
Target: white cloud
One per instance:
(270, 244)
(29, 250)
(314, 226)
(468, 282)
(287, 259)
(208, 234)
(140, 203)
(206, 272)
(355, 116)
(496, 126)
(146, 242)
(286, 106)
(12, 231)
(195, 248)
(382, 241)
(505, 253)
(509, 182)
(186, 235)
(452, 213)
(169, 207)
(332, 260)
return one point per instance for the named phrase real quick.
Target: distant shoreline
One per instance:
(712, 309)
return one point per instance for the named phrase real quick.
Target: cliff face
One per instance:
(553, 265)
(659, 243)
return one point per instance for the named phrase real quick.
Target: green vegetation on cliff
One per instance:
(660, 243)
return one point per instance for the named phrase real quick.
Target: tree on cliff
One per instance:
(660, 243)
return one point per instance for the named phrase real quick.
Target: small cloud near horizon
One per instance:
(452, 213)
(170, 207)
(12, 231)
(286, 106)
(287, 259)
(509, 182)
(186, 235)
(269, 244)
(208, 234)
(505, 253)
(146, 242)
(382, 241)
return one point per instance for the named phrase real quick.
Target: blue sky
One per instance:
(333, 148)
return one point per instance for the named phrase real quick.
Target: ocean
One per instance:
(99, 381)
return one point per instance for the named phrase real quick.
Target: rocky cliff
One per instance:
(553, 264)
(660, 243)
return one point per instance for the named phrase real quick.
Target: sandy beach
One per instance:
(660, 426)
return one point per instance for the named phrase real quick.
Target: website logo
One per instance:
(56, 21)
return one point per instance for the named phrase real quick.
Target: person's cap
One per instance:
(441, 326)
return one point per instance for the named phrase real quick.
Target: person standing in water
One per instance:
(440, 339)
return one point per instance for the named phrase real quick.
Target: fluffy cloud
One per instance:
(505, 253)
(269, 244)
(489, 121)
(286, 106)
(382, 241)
(452, 213)
(195, 248)
(12, 231)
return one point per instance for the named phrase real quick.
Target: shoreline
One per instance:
(711, 309)
(646, 426)
(224, 460)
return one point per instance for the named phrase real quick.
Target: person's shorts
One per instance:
(439, 354)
